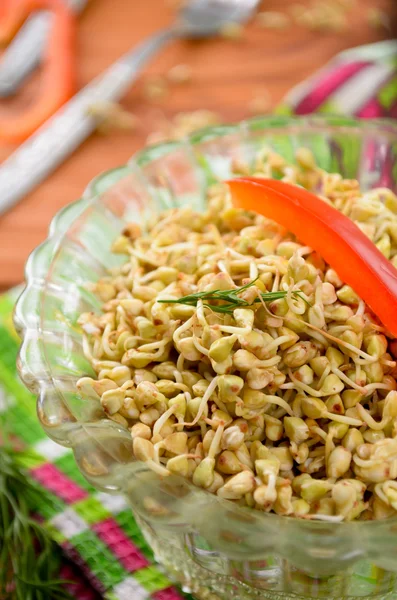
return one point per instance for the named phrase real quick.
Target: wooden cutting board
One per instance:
(226, 76)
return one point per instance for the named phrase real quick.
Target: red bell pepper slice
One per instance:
(334, 236)
(58, 83)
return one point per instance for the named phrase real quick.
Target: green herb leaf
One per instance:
(230, 298)
(29, 558)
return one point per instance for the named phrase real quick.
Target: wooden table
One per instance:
(226, 75)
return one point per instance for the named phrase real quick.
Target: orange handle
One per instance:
(10, 21)
(58, 83)
(333, 235)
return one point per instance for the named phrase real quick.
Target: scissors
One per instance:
(58, 83)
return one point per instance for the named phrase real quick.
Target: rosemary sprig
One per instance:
(29, 559)
(229, 298)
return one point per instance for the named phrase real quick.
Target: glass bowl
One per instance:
(212, 547)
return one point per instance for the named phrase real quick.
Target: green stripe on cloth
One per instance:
(91, 510)
(99, 558)
(22, 424)
(8, 349)
(30, 459)
(6, 305)
(152, 579)
(48, 504)
(12, 384)
(7, 302)
(388, 94)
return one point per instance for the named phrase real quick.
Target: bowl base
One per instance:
(174, 556)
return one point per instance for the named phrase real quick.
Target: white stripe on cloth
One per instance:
(50, 450)
(302, 89)
(5, 400)
(130, 589)
(69, 523)
(350, 97)
(114, 504)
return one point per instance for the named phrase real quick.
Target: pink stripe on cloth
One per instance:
(371, 110)
(120, 545)
(55, 481)
(168, 594)
(327, 85)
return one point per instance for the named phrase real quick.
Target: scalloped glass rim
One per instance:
(33, 365)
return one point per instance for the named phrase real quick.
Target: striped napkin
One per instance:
(96, 531)
(360, 82)
(107, 554)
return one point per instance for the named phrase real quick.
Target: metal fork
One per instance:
(65, 131)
